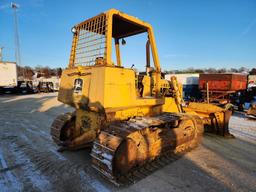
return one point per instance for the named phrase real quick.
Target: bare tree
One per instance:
(233, 70)
(20, 71)
(222, 70)
(243, 69)
(211, 70)
(59, 72)
(46, 72)
(28, 72)
(253, 71)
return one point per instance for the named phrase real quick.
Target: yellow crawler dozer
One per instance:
(251, 113)
(128, 118)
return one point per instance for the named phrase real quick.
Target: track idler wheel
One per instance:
(125, 157)
(189, 134)
(61, 129)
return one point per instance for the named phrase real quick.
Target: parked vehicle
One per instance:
(9, 82)
(8, 76)
(189, 83)
(45, 87)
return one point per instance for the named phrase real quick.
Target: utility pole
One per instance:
(1, 53)
(16, 34)
(15, 6)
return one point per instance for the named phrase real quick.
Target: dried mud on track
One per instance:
(29, 160)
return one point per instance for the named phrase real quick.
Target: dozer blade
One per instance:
(251, 113)
(215, 119)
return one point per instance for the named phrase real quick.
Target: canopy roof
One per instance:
(123, 25)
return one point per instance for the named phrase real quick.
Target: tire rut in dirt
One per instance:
(60, 174)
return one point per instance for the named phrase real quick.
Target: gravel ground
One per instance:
(29, 160)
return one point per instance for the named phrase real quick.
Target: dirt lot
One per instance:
(29, 160)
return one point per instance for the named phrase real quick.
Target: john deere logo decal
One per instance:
(78, 85)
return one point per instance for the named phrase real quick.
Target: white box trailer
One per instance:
(8, 74)
(185, 78)
(189, 83)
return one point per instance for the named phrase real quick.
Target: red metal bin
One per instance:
(223, 82)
